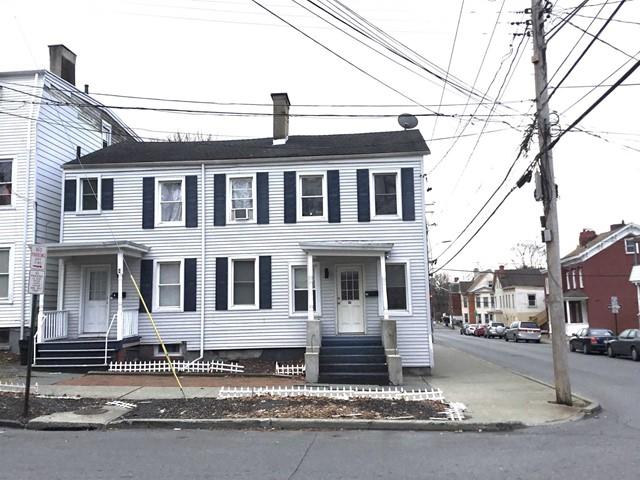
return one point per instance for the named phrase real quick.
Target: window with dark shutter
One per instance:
(107, 194)
(262, 186)
(362, 178)
(70, 195)
(191, 197)
(222, 283)
(219, 199)
(333, 193)
(289, 197)
(190, 284)
(265, 281)
(146, 284)
(408, 195)
(148, 202)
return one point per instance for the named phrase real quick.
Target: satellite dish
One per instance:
(407, 121)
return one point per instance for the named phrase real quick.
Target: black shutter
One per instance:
(289, 197)
(364, 214)
(146, 284)
(191, 197)
(148, 202)
(408, 195)
(264, 272)
(222, 282)
(333, 195)
(262, 192)
(190, 284)
(70, 195)
(106, 200)
(219, 199)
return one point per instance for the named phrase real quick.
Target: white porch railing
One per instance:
(129, 323)
(54, 326)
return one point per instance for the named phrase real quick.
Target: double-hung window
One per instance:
(397, 286)
(242, 199)
(6, 182)
(169, 285)
(89, 194)
(386, 194)
(5, 266)
(629, 243)
(312, 197)
(299, 289)
(170, 206)
(244, 289)
(531, 298)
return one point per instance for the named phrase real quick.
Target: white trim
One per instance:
(407, 274)
(325, 203)
(372, 194)
(627, 242)
(304, 313)
(156, 285)
(79, 194)
(630, 228)
(230, 177)
(580, 279)
(362, 299)
(83, 277)
(12, 161)
(9, 298)
(158, 195)
(256, 279)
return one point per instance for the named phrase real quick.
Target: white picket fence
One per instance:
(17, 387)
(453, 412)
(340, 393)
(290, 370)
(162, 366)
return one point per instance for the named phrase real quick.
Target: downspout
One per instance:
(426, 262)
(203, 254)
(27, 200)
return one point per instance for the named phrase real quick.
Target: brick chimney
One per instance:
(281, 106)
(586, 236)
(62, 62)
(616, 226)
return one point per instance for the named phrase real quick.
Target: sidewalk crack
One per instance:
(306, 452)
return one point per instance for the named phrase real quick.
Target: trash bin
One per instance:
(24, 351)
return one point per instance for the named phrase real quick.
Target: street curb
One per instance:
(63, 426)
(314, 424)
(11, 424)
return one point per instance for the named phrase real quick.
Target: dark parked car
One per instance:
(494, 329)
(590, 340)
(626, 345)
(525, 331)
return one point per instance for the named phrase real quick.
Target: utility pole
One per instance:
(549, 198)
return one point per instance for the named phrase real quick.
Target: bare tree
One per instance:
(440, 288)
(190, 137)
(529, 254)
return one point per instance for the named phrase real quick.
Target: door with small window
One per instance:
(95, 300)
(350, 301)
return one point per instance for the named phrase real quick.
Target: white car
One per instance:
(470, 329)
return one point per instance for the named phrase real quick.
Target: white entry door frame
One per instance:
(95, 288)
(350, 299)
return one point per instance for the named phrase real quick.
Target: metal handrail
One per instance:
(106, 337)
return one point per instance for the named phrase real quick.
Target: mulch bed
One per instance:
(289, 407)
(7, 358)
(12, 405)
(167, 380)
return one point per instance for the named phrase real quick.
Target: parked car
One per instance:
(463, 328)
(588, 340)
(626, 345)
(479, 331)
(470, 329)
(525, 331)
(494, 329)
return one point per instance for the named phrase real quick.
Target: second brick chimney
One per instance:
(62, 62)
(586, 236)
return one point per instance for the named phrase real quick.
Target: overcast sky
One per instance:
(232, 51)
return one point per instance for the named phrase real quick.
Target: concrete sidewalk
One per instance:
(495, 394)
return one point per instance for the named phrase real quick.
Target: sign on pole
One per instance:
(38, 269)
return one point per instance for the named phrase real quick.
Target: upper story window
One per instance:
(477, 301)
(567, 280)
(89, 194)
(6, 182)
(573, 279)
(300, 292)
(532, 301)
(170, 203)
(244, 291)
(5, 257)
(242, 199)
(386, 194)
(169, 286)
(485, 302)
(493, 301)
(465, 302)
(580, 280)
(397, 286)
(630, 245)
(106, 134)
(312, 198)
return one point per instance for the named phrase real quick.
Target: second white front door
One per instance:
(95, 298)
(350, 301)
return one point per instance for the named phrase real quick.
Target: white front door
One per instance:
(95, 300)
(350, 301)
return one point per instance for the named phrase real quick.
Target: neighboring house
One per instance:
(594, 272)
(456, 301)
(252, 245)
(467, 309)
(519, 294)
(480, 298)
(40, 129)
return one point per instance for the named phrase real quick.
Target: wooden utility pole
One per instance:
(549, 198)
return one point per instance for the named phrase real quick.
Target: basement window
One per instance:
(173, 349)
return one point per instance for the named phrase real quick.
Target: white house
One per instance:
(480, 298)
(314, 243)
(40, 129)
(520, 294)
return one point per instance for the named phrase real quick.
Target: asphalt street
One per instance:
(605, 446)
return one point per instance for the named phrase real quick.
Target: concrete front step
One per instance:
(353, 368)
(355, 378)
(377, 358)
(352, 350)
(90, 352)
(352, 341)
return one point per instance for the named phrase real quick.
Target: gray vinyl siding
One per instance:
(275, 327)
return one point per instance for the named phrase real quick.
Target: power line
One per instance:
(563, 21)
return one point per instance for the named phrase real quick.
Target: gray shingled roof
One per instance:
(406, 141)
(521, 277)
